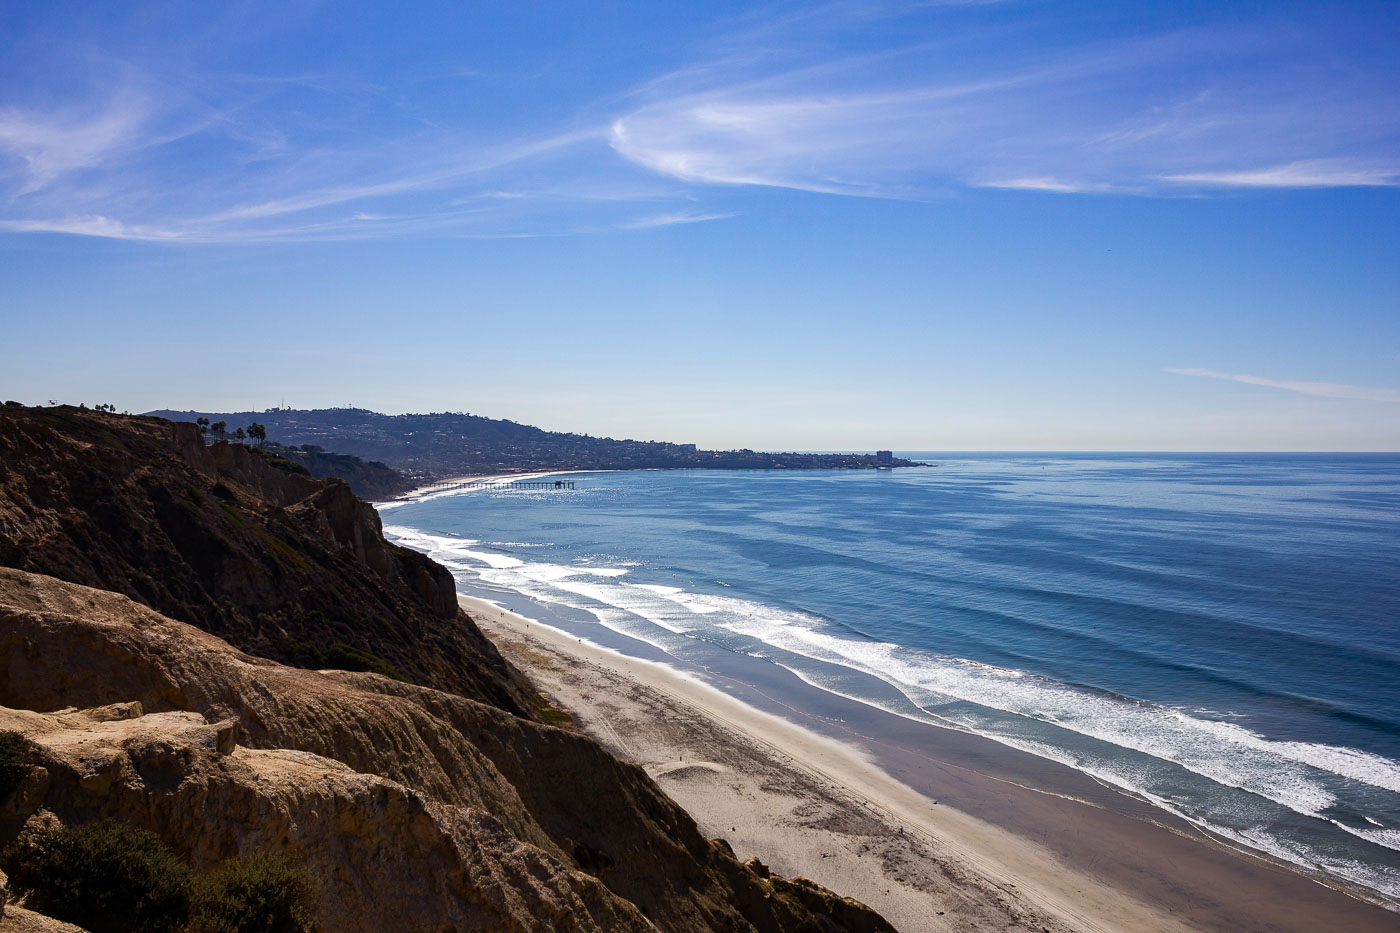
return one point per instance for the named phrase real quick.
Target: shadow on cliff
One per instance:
(421, 789)
(240, 544)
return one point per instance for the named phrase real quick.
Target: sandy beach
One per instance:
(960, 834)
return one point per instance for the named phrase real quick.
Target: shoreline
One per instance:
(911, 818)
(421, 493)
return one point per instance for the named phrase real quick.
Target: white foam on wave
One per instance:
(432, 545)
(1389, 838)
(1377, 879)
(497, 561)
(1286, 772)
(668, 592)
(549, 583)
(452, 550)
(449, 550)
(1224, 752)
(1295, 775)
(637, 600)
(1350, 763)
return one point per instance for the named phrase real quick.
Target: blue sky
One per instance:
(927, 225)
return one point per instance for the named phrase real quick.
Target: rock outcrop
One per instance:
(414, 808)
(383, 856)
(19, 920)
(239, 544)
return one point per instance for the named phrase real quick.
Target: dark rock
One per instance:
(279, 563)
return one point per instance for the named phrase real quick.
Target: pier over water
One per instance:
(503, 484)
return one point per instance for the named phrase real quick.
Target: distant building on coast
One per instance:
(884, 458)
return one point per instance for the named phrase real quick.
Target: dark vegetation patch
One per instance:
(280, 462)
(262, 893)
(284, 549)
(111, 877)
(106, 877)
(551, 713)
(16, 757)
(110, 440)
(342, 657)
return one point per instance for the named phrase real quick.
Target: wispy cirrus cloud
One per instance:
(866, 98)
(1233, 105)
(1313, 173)
(50, 145)
(1320, 389)
(115, 172)
(161, 153)
(678, 217)
(94, 226)
(1055, 185)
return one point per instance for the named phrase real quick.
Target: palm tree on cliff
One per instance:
(220, 428)
(258, 433)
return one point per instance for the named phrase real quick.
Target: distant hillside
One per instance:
(446, 443)
(368, 479)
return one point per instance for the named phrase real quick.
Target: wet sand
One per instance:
(937, 829)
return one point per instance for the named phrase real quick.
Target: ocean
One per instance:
(1218, 634)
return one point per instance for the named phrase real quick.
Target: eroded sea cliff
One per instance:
(155, 584)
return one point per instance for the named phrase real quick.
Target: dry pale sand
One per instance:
(810, 806)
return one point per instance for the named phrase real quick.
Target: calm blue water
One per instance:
(1217, 633)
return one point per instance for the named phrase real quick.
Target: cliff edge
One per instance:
(148, 577)
(232, 542)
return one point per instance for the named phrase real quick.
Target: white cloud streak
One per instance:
(1188, 111)
(51, 145)
(1043, 184)
(1320, 389)
(667, 220)
(129, 153)
(1316, 173)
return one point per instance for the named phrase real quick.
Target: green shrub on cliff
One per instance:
(340, 657)
(280, 462)
(111, 877)
(14, 762)
(106, 877)
(261, 893)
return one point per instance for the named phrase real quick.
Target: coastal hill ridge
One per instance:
(443, 444)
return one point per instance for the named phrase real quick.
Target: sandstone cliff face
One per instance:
(286, 566)
(416, 809)
(19, 920)
(384, 857)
